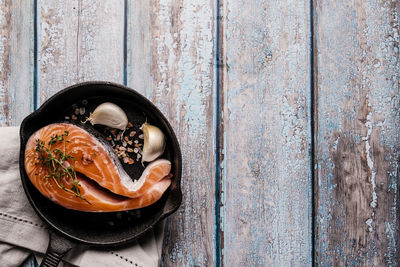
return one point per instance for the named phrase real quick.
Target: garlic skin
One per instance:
(110, 115)
(154, 142)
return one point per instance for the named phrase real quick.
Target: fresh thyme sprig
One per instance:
(56, 162)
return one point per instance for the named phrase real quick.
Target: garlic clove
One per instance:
(154, 142)
(109, 114)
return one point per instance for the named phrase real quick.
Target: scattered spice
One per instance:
(126, 146)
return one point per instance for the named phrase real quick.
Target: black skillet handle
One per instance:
(57, 248)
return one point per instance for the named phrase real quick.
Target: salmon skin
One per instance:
(100, 180)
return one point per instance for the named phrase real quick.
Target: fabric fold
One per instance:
(22, 232)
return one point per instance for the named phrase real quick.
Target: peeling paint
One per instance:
(335, 144)
(266, 119)
(5, 61)
(370, 162)
(264, 217)
(16, 66)
(76, 40)
(357, 88)
(369, 223)
(175, 57)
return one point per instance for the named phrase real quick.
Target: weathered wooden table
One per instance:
(288, 114)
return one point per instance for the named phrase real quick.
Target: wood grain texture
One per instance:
(170, 60)
(358, 138)
(266, 215)
(79, 40)
(16, 61)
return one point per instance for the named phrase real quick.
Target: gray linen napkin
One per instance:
(22, 232)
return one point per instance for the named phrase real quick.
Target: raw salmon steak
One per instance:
(99, 181)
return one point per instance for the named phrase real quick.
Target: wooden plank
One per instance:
(358, 138)
(266, 215)
(16, 61)
(79, 40)
(170, 60)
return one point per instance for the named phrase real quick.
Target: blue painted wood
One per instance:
(171, 60)
(79, 41)
(262, 112)
(358, 138)
(16, 54)
(265, 158)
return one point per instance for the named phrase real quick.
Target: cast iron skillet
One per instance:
(68, 227)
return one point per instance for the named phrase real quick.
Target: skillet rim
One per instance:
(177, 193)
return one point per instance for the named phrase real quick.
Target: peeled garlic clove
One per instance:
(110, 115)
(154, 142)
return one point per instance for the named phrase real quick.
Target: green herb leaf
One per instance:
(53, 161)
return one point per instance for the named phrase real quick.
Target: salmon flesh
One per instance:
(81, 172)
